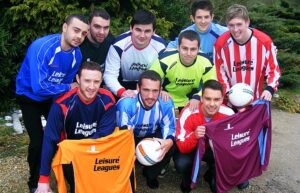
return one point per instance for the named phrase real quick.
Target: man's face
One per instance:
(141, 35)
(99, 29)
(89, 83)
(188, 51)
(202, 19)
(211, 102)
(149, 92)
(74, 33)
(239, 29)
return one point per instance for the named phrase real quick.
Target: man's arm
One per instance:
(124, 113)
(112, 71)
(185, 137)
(51, 138)
(272, 72)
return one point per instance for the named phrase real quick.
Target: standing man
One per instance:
(149, 116)
(207, 30)
(132, 53)
(48, 69)
(83, 112)
(96, 45)
(184, 70)
(190, 132)
(246, 55)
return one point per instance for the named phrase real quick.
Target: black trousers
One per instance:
(32, 112)
(184, 165)
(151, 172)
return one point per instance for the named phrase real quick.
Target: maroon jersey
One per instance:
(241, 144)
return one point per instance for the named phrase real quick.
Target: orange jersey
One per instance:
(100, 165)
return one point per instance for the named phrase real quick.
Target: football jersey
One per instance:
(241, 144)
(181, 81)
(125, 63)
(131, 112)
(250, 62)
(100, 165)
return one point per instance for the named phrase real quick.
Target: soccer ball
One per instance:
(240, 95)
(146, 152)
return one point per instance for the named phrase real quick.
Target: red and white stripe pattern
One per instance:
(249, 63)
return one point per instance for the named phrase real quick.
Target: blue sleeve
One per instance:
(173, 44)
(51, 138)
(123, 112)
(168, 122)
(107, 123)
(38, 58)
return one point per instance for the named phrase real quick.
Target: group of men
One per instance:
(148, 77)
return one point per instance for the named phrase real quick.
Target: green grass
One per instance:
(11, 144)
(289, 100)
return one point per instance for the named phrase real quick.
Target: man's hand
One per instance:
(266, 95)
(194, 103)
(129, 93)
(164, 95)
(73, 85)
(165, 146)
(200, 131)
(43, 188)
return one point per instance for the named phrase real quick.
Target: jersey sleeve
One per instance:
(220, 69)
(272, 68)
(173, 44)
(168, 121)
(185, 138)
(124, 113)
(38, 59)
(51, 138)
(112, 71)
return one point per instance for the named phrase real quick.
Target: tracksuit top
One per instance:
(207, 39)
(47, 70)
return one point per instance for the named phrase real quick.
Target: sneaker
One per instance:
(153, 184)
(243, 185)
(164, 171)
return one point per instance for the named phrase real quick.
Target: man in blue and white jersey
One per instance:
(149, 116)
(49, 67)
(132, 53)
(208, 31)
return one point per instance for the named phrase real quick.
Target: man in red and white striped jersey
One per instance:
(246, 55)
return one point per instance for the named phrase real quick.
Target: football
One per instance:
(240, 95)
(146, 152)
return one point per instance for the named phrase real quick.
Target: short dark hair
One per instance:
(214, 85)
(149, 74)
(190, 35)
(143, 17)
(89, 65)
(202, 4)
(69, 18)
(99, 13)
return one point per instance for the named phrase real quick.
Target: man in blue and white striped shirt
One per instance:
(149, 116)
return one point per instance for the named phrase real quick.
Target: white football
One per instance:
(146, 152)
(240, 95)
